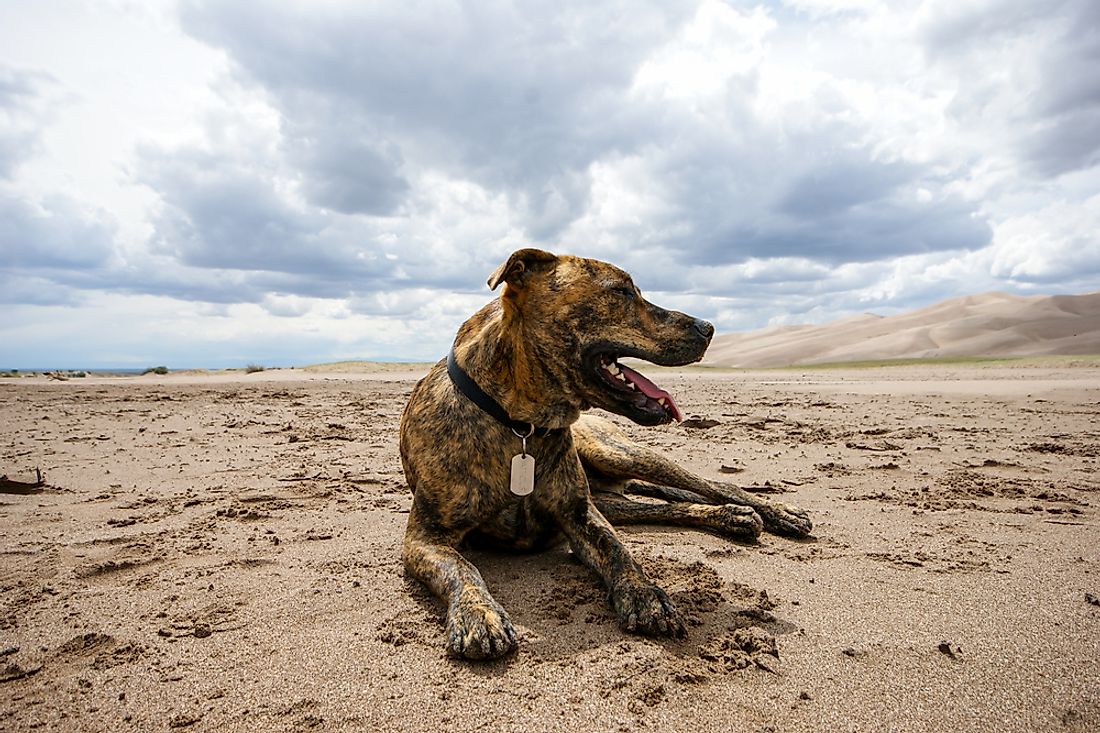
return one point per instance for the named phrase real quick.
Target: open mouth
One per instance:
(640, 393)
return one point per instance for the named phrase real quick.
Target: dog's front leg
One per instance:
(477, 626)
(640, 605)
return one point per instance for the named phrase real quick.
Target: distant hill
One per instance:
(991, 324)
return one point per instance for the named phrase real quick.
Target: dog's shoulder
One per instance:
(434, 399)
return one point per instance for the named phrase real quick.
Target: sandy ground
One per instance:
(993, 324)
(222, 554)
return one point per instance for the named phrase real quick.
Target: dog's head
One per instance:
(580, 316)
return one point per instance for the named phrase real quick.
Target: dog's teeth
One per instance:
(661, 402)
(612, 367)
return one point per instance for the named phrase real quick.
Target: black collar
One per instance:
(476, 394)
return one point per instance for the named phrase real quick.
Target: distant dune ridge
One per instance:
(990, 324)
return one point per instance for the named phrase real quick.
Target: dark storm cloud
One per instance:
(345, 170)
(519, 101)
(222, 213)
(858, 210)
(875, 231)
(809, 196)
(831, 189)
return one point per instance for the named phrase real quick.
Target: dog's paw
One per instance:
(786, 519)
(479, 629)
(734, 520)
(646, 609)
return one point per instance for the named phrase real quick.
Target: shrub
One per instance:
(252, 368)
(156, 370)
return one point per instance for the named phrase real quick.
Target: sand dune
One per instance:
(990, 324)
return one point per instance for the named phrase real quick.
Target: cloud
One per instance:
(20, 117)
(1040, 95)
(57, 234)
(534, 120)
(26, 288)
(349, 175)
(41, 236)
(734, 163)
(749, 159)
(1057, 243)
(516, 101)
(846, 208)
(220, 215)
(228, 209)
(241, 201)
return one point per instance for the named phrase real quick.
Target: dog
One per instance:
(496, 450)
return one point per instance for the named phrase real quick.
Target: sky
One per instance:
(203, 183)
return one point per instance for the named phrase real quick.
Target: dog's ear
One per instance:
(519, 264)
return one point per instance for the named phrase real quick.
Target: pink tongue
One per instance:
(651, 390)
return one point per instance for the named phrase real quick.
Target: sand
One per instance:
(990, 324)
(222, 554)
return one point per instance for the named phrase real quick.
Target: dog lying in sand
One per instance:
(495, 448)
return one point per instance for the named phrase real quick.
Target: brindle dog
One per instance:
(545, 351)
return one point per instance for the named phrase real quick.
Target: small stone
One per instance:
(945, 648)
(699, 423)
(15, 672)
(183, 720)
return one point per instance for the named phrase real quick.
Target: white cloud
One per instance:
(1055, 243)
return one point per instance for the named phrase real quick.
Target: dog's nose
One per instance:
(703, 328)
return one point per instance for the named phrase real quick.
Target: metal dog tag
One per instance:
(523, 467)
(523, 474)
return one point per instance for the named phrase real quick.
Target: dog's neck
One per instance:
(492, 348)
